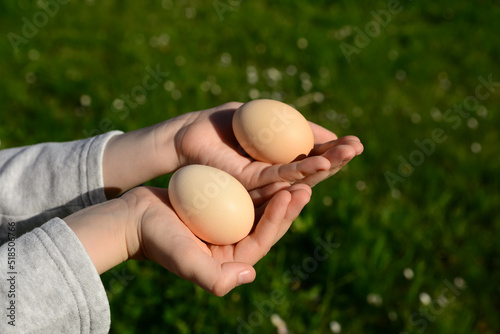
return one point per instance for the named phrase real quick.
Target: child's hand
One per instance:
(141, 224)
(206, 137)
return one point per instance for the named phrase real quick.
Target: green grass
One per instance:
(442, 222)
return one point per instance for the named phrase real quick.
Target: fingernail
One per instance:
(245, 277)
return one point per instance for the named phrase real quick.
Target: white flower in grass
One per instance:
(85, 100)
(291, 70)
(335, 327)
(476, 147)
(425, 299)
(408, 273)
(302, 43)
(226, 59)
(374, 299)
(279, 323)
(361, 185)
(459, 282)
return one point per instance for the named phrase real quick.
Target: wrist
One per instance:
(132, 158)
(109, 231)
(129, 160)
(168, 135)
(101, 230)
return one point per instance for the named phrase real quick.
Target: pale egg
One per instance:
(213, 204)
(272, 131)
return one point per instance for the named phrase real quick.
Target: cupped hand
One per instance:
(206, 137)
(162, 237)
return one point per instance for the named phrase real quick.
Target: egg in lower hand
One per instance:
(213, 204)
(272, 131)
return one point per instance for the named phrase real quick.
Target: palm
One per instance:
(166, 240)
(207, 138)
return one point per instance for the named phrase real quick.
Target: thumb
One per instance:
(219, 279)
(232, 274)
(192, 263)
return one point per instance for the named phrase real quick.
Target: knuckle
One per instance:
(231, 105)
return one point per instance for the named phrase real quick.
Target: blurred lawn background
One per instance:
(417, 257)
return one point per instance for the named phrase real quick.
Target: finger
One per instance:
(290, 172)
(279, 214)
(338, 156)
(301, 195)
(325, 157)
(341, 154)
(264, 173)
(260, 208)
(347, 140)
(253, 247)
(321, 135)
(262, 195)
(229, 105)
(300, 187)
(313, 180)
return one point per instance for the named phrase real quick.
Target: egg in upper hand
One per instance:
(272, 131)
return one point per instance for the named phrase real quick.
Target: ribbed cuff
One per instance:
(91, 172)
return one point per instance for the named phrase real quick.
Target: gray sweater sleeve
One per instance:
(49, 284)
(43, 181)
